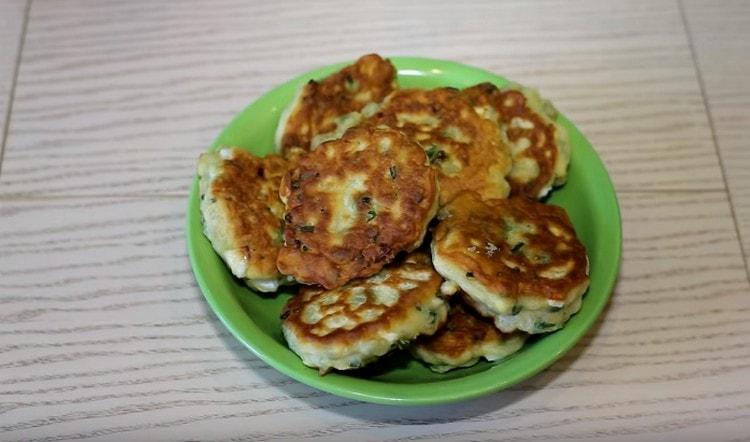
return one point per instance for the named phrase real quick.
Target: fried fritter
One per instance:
(538, 144)
(465, 338)
(518, 260)
(464, 147)
(351, 326)
(324, 110)
(352, 204)
(242, 213)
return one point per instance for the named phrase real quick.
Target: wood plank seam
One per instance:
(14, 80)
(159, 195)
(135, 195)
(709, 116)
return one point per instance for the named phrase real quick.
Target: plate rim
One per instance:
(403, 394)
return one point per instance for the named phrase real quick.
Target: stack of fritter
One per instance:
(365, 172)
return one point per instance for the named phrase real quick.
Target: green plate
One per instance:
(253, 318)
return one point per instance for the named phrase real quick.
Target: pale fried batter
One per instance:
(353, 325)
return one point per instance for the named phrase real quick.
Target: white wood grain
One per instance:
(119, 98)
(721, 37)
(103, 334)
(11, 24)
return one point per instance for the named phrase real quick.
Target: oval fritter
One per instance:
(323, 110)
(518, 260)
(538, 144)
(464, 339)
(353, 325)
(242, 212)
(464, 147)
(352, 204)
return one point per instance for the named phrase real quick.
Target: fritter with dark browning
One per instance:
(518, 260)
(465, 338)
(242, 213)
(352, 204)
(538, 144)
(325, 109)
(465, 148)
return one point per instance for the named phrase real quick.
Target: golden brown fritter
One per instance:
(464, 339)
(464, 147)
(350, 326)
(539, 146)
(518, 260)
(242, 212)
(325, 109)
(352, 204)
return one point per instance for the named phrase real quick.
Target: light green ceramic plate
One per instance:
(254, 319)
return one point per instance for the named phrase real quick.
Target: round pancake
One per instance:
(465, 338)
(538, 145)
(323, 110)
(464, 147)
(351, 326)
(352, 204)
(242, 211)
(518, 260)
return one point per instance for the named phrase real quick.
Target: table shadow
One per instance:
(474, 409)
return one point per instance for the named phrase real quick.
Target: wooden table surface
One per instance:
(106, 105)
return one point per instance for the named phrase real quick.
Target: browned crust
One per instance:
(389, 318)
(478, 163)
(511, 103)
(471, 224)
(248, 190)
(463, 330)
(392, 212)
(323, 101)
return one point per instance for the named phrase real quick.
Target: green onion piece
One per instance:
(434, 154)
(393, 170)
